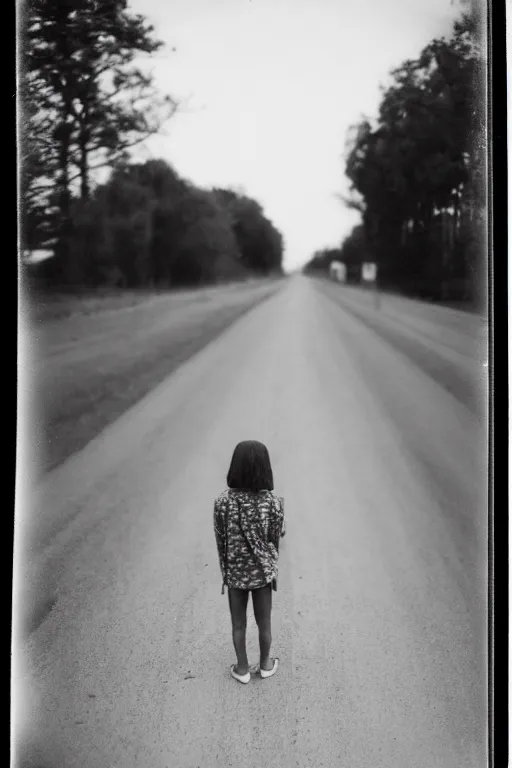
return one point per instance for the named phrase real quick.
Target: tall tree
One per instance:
(148, 227)
(411, 168)
(261, 244)
(79, 75)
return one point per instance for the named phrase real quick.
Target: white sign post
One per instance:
(369, 275)
(338, 271)
(369, 272)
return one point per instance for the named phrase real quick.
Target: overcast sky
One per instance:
(271, 87)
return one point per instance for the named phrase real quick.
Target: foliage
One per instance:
(84, 102)
(146, 226)
(417, 172)
(260, 243)
(413, 169)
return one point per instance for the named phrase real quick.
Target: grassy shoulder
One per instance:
(42, 307)
(93, 358)
(446, 345)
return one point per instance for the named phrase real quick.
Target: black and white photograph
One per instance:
(252, 522)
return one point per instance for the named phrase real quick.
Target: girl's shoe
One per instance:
(241, 678)
(269, 672)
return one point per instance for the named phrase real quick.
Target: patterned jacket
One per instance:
(248, 527)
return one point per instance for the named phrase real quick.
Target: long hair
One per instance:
(250, 467)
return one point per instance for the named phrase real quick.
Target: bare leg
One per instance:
(238, 606)
(262, 603)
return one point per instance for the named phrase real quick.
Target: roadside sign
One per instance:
(369, 272)
(338, 271)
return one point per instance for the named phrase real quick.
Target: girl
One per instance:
(248, 523)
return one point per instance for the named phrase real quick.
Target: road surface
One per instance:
(380, 617)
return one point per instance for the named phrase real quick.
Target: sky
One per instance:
(269, 89)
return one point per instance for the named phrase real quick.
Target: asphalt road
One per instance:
(380, 617)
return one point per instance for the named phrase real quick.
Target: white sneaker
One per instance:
(269, 672)
(241, 678)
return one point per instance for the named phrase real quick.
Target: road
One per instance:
(380, 617)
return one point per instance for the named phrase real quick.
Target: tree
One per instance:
(80, 87)
(410, 170)
(260, 243)
(148, 227)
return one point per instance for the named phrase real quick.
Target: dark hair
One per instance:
(250, 467)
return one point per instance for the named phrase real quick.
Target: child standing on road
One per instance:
(248, 523)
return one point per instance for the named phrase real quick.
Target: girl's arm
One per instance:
(277, 521)
(220, 537)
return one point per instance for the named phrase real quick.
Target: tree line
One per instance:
(86, 103)
(417, 175)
